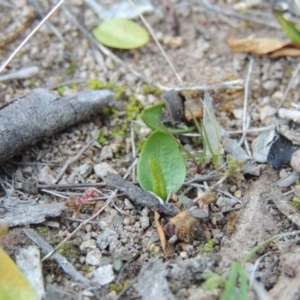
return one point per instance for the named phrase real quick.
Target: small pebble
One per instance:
(128, 204)
(90, 244)
(106, 153)
(238, 194)
(103, 275)
(183, 254)
(144, 222)
(93, 257)
(270, 84)
(102, 169)
(295, 161)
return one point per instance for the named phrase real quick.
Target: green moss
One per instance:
(118, 287)
(95, 84)
(69, 251)
(32, 83)
(74, 86)
(120, 92)
(208, 247)
(149, 89)
(85, 268)
(117, 155)
(43, 230)
(71, 69)
(101, 138)
(296, 202)
(133, 107)
(61, 90)
(110, 85)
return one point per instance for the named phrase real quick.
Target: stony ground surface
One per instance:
(123, 238)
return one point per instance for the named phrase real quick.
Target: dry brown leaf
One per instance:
(259, 46)
(286, 51)
(168, 249)
(264, 46)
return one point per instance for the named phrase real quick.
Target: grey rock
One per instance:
(225, 203)
(106, 153)
(128, 204)
(105, 238)
(94, 257)
(87, 245)
(103, 275)
(85, 170)
(102, 169)
(144, 222)
(270, 84)
(28, 260)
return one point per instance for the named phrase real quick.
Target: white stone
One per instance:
(86, 245)
(103, 275)
(93, 257)
(102, 169)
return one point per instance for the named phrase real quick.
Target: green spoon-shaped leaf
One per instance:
(121, 34)
(161, 167)
(151, 117)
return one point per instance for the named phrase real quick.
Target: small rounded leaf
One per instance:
(121, 34)
(161, 166)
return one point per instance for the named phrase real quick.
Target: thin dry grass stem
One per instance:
(157, 43)
(72, 160)
(246, 118)
(291, 83)
(259, 19)
(259, 129)
(82, 224)
(68, 186)
(256, 265)
(30, 35)
(260, 291)
(54, 193)
(55, 31)
(68, 82)
(231, 84)
(211, 189)
(99, 58)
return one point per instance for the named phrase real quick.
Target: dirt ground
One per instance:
(122, 240)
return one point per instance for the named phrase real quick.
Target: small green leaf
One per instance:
(289, 27)
(151, 117)
(121, 34)
(161, 165)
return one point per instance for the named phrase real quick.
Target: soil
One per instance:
(124, 235)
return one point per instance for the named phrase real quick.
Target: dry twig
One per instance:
(138, 196)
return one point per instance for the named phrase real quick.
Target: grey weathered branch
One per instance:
(138, 196)
(42, 113)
